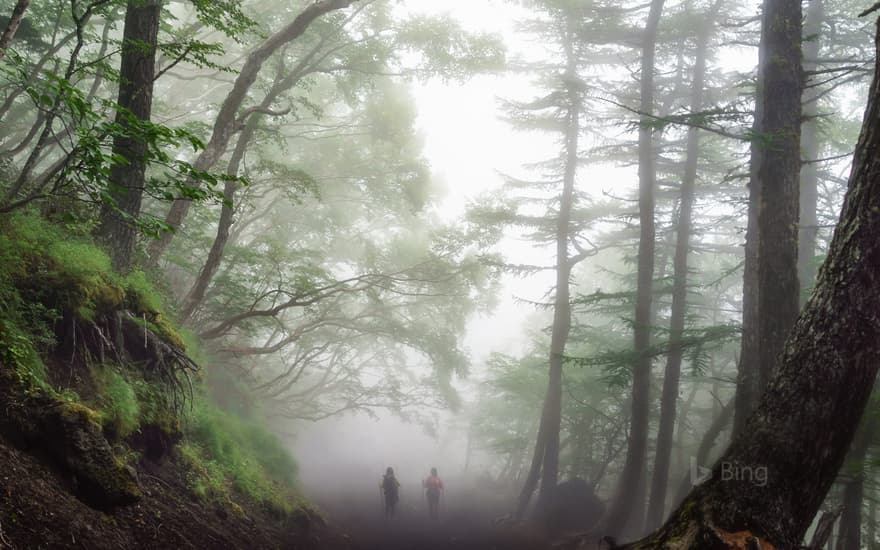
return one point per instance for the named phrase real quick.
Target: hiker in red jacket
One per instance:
(433, 488)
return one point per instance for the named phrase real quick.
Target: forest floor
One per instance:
(457, 533)
(468, 522)
(38, 511)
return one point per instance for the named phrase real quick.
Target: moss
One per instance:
(117, 401)
(41, 262)
(78, 413)
(141, 296)
(47, 275)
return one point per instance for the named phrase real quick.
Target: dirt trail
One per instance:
(466, 523)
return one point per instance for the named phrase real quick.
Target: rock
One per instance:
(575, 506)
(156, 439)
(72, 435)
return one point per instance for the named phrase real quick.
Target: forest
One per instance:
(474, 274)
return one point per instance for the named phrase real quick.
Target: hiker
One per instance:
(389, 487)
(433, 488)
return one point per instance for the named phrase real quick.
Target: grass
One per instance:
(227, 452)
(118, 403)
(49, 272)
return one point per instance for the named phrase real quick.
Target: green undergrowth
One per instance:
(47, 270)
(228, 454)
(52, 275)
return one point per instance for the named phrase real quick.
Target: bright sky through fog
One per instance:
(469, 146)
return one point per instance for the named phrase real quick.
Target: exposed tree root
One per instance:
(120, 338)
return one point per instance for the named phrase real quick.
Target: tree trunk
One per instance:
(774, 477)
(552, 421)
(531, 482)
(809, 194)
(227, 121)
(778, 295)
(850, 537)
(12, 26)
(747, 392)
(672, 375)
(196, 294)
(117, 226)
(706, 445)
(619, 513)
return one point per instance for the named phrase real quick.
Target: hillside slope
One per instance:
(38, 510)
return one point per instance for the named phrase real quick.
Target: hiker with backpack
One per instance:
(390, 489)
(433, 486)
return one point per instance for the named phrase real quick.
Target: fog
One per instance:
(555, 249)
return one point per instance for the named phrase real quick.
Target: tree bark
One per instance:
(672, 375)
(12, 25)
(117, 228)
(619, 513)
(800, 432)
(227, 121)
(771, 307)
(778, 295)
(809, 181)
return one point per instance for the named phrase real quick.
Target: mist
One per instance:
(610, 268)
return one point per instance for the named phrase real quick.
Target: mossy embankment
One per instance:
(102, 406)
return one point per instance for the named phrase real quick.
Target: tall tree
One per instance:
(564, 264)
(778, 292)
(672, 375)
(567, 102)
(809, 177)
(772, 480)
(229, 120)
(623, 508)
(137, 72)
(770, 284)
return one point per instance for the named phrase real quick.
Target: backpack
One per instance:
(433, 483)
(389, 485)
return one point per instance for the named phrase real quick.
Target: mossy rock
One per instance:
(71, 433)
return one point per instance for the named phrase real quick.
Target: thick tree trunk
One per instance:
(117, 226)
(12, 26)
(774, 477)
(809, 183)
(747, 374)
(771, 307)
(622, 506)
(778, 295)
(672, 375)
(227, 121)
